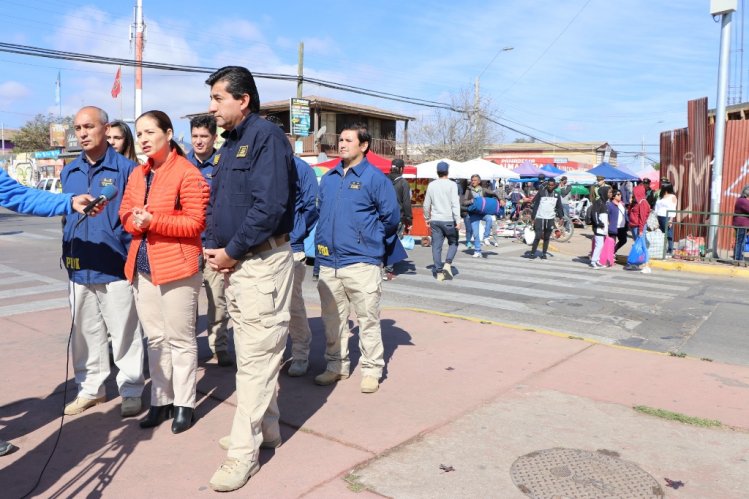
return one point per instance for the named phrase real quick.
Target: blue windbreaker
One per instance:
(30, 201)
(358, 214)
(305, 206)
(95, 251)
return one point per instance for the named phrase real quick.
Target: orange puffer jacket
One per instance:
(177, 200)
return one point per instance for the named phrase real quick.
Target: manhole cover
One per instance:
(578, 473)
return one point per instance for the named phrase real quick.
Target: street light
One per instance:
(478, 79)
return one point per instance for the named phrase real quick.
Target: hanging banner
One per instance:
(299, 117)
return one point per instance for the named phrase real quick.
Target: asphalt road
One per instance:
(700, 315)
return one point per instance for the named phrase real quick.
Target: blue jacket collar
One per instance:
(239, 129)
(196, 161)
(358, 170)
(107, 162)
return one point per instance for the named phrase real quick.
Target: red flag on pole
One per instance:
(117, 87)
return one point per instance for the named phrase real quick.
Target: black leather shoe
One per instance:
(183, 419)
(157, 414)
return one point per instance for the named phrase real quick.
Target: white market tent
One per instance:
(485, 169)
(429, 169)
(580, 177)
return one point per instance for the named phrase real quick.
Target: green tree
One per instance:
(34, 134)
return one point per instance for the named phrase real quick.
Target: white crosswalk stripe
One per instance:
(35, 288)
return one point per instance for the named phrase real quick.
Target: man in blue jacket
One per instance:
(305, 217)
(203, 156)
(359, 215)
(249, 218)
(94, 253)
(29, 201)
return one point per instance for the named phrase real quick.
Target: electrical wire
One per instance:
(93, 59)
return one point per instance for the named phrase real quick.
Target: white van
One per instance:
(50, 184)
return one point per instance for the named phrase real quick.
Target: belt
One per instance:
(269, 244)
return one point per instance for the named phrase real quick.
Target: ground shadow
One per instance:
(25, 416)
(299, 398)
(105, 437)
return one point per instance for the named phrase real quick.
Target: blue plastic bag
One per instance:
(408, 242)
(639, 252)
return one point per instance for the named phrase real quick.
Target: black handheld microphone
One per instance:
(107, 194)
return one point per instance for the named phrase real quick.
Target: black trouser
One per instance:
(543, 229)
(621, 238)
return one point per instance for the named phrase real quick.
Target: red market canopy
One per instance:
(383, 164)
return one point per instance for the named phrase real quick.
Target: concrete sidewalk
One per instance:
(462, 401)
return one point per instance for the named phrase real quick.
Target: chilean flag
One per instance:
(117, 86)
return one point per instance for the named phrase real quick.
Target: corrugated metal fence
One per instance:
(686, 159)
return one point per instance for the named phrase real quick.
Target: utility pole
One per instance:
(300, 71)
(139, 31)
(724, 8)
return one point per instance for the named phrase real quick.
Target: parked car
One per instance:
(50, 184)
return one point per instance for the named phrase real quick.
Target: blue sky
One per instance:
(580, 70)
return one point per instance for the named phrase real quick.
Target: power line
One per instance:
(116, 61)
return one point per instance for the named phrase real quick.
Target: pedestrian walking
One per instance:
(442, 213)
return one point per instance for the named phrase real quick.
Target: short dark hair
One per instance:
(164, 124)
(362, 133)
(239, 81)
(204, 121)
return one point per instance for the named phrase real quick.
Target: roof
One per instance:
(540, 146)
(9, 133)
(327, 104)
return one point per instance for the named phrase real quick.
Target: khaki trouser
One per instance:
(99, 309)
(218, 318)
(299, 330)
(167, 313)
(258, 299)
(359, 285)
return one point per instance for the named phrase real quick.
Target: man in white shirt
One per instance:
(442, 213)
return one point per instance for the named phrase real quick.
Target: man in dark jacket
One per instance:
(546, 208)
(403, 194)
(94, 255)
(305, 218)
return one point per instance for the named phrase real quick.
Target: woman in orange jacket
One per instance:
(164, 209)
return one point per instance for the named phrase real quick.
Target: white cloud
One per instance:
(13, 90)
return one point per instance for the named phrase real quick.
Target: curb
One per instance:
(700, 268)
(527, 329)
(693, 267)
(683, 266)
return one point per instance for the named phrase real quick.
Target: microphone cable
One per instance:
(67, 371)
